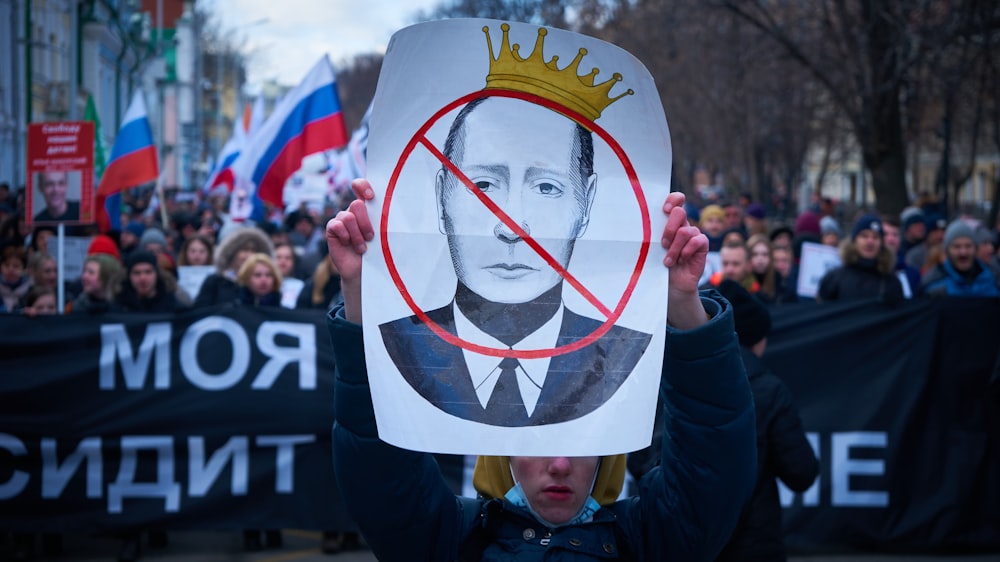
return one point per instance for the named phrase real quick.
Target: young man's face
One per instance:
(916, 231)
(531, 173)
(53, 188)
(143, 279)
(734, 216)
(961, 253)
(556, 487)
(734, 263)
(868, 243)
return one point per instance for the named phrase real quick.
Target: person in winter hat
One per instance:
(962, 273)
(867, 267)
(235, 248)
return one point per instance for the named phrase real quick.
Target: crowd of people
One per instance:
(890, 258)
(137, 270)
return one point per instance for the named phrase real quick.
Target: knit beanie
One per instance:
(867, 222)
(756, 210)
(711, 211)
(152, 236)
(911, 216)
(807, 222)
(983, 236)
(492, 478)
(102, 244)
(136, 228)
(141, 256)
(828, 225)
(752, 319)
(935, 221)
(958, 229)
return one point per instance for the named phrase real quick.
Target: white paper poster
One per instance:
(816, 260)
(191, 277)
(514, 297)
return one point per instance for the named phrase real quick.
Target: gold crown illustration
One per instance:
(510, 71)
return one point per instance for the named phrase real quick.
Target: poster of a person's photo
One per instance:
(55, 197)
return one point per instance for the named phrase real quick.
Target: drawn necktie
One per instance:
(505, 405)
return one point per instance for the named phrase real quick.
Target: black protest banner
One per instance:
(221, 418)
(899, 406)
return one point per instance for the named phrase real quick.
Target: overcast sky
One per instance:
(298, 32)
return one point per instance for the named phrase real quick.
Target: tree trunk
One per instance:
(889, 179)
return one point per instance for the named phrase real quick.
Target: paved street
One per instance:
(304, 546)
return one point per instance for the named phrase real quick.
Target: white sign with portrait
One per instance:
(816, 260)
(514, 296)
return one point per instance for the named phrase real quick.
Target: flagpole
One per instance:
(163, 202)
(60, 268)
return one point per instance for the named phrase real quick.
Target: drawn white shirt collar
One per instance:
(485, 369)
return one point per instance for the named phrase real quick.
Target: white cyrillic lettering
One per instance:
(56, 477)
(117, 349)
(240, 358)
(284, 479)
(202, 475)
(164, 486)
(279, 357)
(843, 467)
(810, 498)
(19, 479)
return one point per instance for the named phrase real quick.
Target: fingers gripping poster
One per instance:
(514, 295)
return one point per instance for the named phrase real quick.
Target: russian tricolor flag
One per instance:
(308, 120)
(133, 162)
(243, 128)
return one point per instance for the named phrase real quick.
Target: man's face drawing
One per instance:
(53, 187)
(539, 172)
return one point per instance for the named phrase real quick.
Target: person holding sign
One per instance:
(530, 506)
(867, 270)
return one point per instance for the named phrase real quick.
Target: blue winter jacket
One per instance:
(946, 280)
(684, 513)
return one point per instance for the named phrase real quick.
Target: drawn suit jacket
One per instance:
(576, 384)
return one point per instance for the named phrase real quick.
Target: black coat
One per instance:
(217, 289)
(860, 280)
(128, 300)
(782, 452)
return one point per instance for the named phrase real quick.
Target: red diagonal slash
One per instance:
(516, 228)
(633, 181)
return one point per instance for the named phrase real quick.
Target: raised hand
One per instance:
(687, 249)
(347, 237)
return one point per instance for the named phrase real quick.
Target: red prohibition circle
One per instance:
(419, 138)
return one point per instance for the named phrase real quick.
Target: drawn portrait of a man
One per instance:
(537, 166)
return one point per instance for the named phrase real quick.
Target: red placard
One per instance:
(60, 186)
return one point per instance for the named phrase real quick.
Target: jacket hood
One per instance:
(492, 478)
(249, 238)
